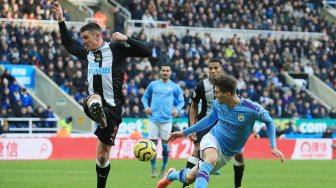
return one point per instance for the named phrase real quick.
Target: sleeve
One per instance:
(196, 97)
(69, 44)
(147, 95)
(133, 48)
(204, 123)
(178, 99)
(264, 116)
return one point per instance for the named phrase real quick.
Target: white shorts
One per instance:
(159, 130)
(209, 141)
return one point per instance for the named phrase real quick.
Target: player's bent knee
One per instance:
(102, 158)
(239, 157)
(190, 178)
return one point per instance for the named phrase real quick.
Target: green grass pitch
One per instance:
(136, 174)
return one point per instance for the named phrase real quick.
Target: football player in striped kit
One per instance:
(106, 69)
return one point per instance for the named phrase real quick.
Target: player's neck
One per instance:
(99, 45)
(165, 80)
(234, 101)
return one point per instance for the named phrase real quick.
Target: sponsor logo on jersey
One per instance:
(96, 70)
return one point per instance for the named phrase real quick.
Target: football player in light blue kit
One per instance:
(166, 101)
(236, 117)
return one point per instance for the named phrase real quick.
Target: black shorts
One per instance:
(200, 134)
(113, 119)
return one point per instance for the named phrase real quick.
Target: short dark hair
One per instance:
(165, 65)
(90, 27)
(213, 60)
(225, 83)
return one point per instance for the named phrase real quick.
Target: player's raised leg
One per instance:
(94, 103)
(103, 163)
(239, 167)
(204, 171)
(192, 160)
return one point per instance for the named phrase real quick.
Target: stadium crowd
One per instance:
(280, 15)
(258, 63)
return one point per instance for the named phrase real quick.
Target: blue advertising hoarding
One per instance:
(24, 74)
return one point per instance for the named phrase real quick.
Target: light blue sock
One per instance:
(165, 155)
(153, 161)
(178, 175)
(202, 178)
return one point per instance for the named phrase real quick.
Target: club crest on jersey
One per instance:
(169, 88)
(241, 117)
(98, 57)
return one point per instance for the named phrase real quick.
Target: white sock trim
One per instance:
(236, 163)
(103, 165)
(93, 101)
(193, 160)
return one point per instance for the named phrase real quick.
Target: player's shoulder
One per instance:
(155, 82)
(216, 103)
(249, 104)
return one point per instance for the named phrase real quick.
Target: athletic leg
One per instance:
(239, 167)
(153, 134)
(165, 130)
(94, 104)
(102, 163)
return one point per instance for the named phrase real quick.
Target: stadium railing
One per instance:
(322, 90)
(156, 28)
(85, 2)
(124, 12)
(30, 129)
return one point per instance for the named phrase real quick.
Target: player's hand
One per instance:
(174, 113)
(148, 111)
(56, 9)
(193, 137)
(278, 154)
(174, 135)
(118, 37)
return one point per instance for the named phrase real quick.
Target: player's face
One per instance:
(215, 69)
(90, 40)
(165, 73)
(222, 97)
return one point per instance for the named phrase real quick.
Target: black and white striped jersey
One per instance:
(106, 67)
(204, 92)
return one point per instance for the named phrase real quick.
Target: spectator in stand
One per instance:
(50, 114)
(40, 113)
(327, 133)
(26, 99)
(175, 127)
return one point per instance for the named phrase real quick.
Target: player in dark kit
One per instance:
(204, 93)
(106, 69)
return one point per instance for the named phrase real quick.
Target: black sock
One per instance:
(102, 174)
(190, 165)
(238, 174)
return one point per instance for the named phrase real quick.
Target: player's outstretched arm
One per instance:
(278, 154)
(174, 135)
(66, 38)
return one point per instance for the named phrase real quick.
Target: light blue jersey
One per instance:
(163, 97)
(234, 125)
